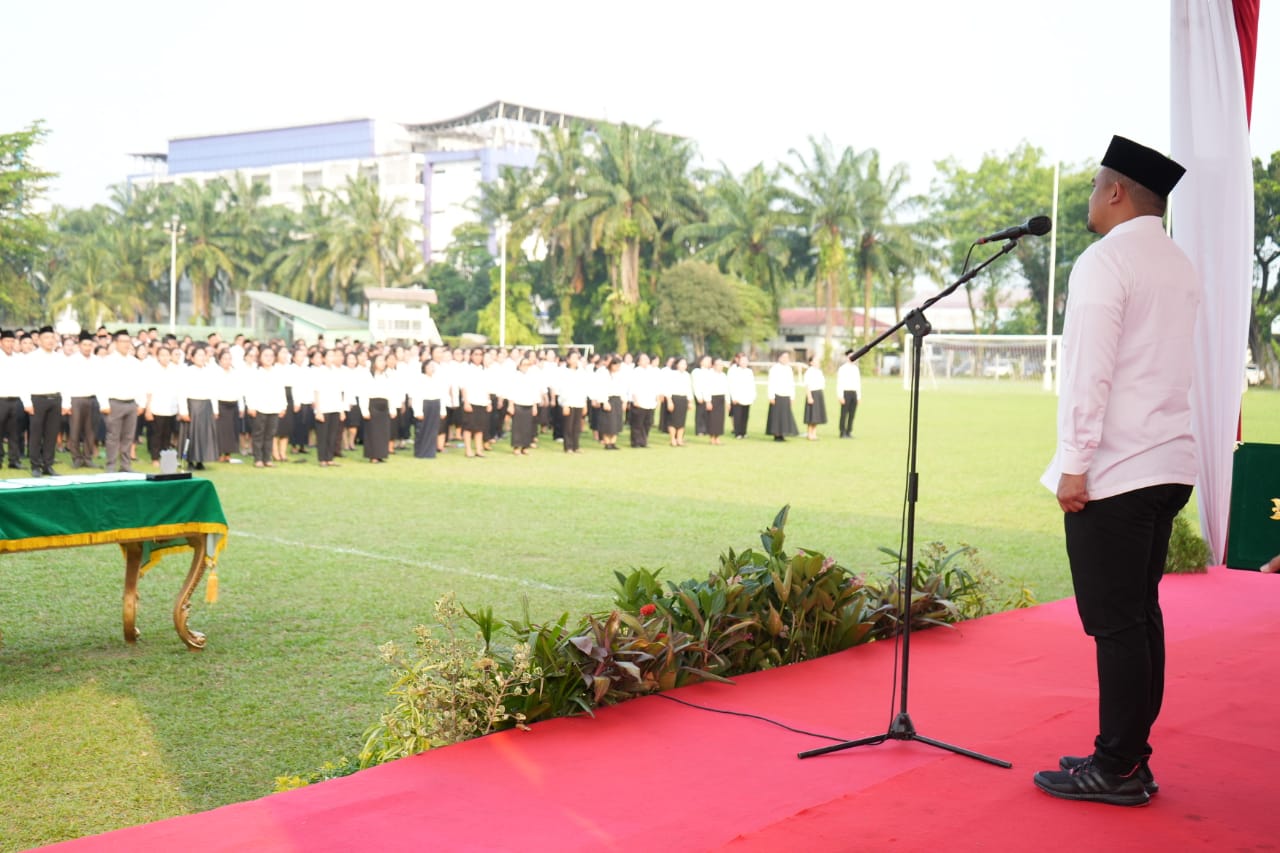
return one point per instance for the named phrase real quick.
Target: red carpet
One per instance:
(652, 774)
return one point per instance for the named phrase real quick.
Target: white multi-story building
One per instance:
(433, 171)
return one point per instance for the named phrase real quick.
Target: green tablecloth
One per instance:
(159, 514)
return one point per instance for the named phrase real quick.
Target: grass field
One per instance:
(325, 565)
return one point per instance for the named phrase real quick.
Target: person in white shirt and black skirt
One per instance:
(781, 421)
(815, 403)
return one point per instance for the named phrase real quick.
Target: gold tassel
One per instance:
(211, 587)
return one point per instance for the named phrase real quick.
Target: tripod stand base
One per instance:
(903, 729)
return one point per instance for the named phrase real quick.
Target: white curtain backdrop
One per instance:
(1213, 223)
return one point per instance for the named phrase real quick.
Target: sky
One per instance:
(747, 81)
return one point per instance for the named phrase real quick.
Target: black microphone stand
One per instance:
(902, 728)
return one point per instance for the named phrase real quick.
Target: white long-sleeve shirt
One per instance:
(782, 381)
(849, 378)
(165, 391)
(814, 380)
(264, 390)
(678, 383)
(1124, 415)
(121, 377)
(428, 391)
(198, 383)
(328, 396)
(715, 384)
(524, 388)
(742, 385)
(383, 386)
(643, 387)
(571, 386)
(42, 373)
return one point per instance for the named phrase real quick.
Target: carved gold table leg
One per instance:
(132, 561)
(181, 606)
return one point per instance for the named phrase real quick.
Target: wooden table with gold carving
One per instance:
(146, 518)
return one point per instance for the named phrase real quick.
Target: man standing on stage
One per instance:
(1126, 458)
(42, 398)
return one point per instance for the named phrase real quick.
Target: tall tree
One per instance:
(562, 168)
(698, 302)
(889, 244)
(301, 265)
(628, 199)
(826, 203)
(96, 282)
(745, 232)
(206, 251)
(1266, 252)
(1002, 190)
(369, 241)
(24, 232)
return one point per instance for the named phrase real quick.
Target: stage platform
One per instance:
(652, 774)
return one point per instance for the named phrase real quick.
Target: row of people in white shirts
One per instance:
(163, 385)
(782, 379)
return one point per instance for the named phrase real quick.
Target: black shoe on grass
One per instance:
(1149, 783)
(1086, 781)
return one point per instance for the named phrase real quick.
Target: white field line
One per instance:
(435, 567)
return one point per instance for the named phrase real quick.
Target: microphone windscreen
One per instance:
(1039, 225)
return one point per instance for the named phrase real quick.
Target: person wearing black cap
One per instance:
(1126, 458)
(10, 399)
(848, 389)
(43, 399)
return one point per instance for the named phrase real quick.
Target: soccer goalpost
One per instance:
(988, 358)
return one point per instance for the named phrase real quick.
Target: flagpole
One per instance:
(1053, 268)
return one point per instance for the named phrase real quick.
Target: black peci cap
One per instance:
(1147, 166)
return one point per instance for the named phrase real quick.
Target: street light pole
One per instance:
(503, 227)
(174, 228)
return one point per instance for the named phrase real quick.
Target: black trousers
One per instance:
(82, 442)
(572, 426)
(264, 433)
(1117, 548)
(848, 408)
(739, 413)
(303, 421)
(46, 420)
(10, 428)
(328, 433)
(640, 421)
(160, 431)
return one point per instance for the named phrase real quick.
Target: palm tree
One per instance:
(206, 253)
(368, 240)
(887, 246)
(825, 201)
(745, 231)
(630, 188)
(562, 167)
(95, 284)
(300, 266)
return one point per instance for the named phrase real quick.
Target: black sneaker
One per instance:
(1149, 783)
(1087, 781)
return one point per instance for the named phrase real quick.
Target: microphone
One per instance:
(1035, 226)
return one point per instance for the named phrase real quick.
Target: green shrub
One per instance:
(469, 674)
(454, 688)
(1188, 553)
(329, 770)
